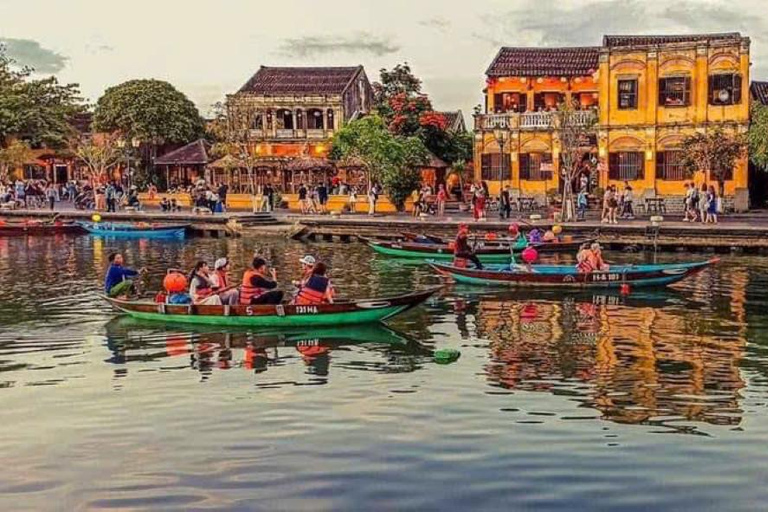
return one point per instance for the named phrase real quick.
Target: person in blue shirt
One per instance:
(118, 282)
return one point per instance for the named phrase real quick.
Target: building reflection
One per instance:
(651, 360)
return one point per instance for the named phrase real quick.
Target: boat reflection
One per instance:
(651, 358)
(208, 348)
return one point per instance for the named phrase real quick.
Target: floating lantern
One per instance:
(557, 230)
(96, 217)
(529, 255)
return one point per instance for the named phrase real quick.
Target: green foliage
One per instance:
(757, 137)
(715, 153)
(400, 80)
(390, 159)
(13, 157)
(36, 111)
(150, 110)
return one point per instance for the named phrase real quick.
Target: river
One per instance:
(559, 401)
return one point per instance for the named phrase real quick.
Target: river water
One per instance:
(658, 400)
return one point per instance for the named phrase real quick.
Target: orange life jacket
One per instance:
(203, 290)
(247, 290)
(223, 281)
(313, 291)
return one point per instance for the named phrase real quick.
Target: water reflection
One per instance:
(641, 359)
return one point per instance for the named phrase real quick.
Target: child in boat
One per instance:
(118, 282)
(317, 289)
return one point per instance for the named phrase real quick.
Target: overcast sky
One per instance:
(210, 48)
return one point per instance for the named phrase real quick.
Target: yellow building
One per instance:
(648, 93)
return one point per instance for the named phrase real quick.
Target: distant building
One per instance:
(647, 94)
(290, 113)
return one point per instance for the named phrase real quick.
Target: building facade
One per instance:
(645, 94)
(293, 112)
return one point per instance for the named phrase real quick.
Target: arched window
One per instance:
(314, 119)
(284, 119)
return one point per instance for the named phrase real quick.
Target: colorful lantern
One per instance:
(529, 255)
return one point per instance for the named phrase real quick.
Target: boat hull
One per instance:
(342, 313)
(552, 276)
(129, 231)
(40, 230)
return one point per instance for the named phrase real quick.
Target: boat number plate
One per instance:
(606, 277)
(306, 310)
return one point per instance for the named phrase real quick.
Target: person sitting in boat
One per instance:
(591, 260)
(118, 282)
(257, 288)
(317, 289)
(462, 249)
(201, 287)
(220, 281)
(307, 265)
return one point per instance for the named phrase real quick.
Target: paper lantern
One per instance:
(549, 235)
(490, 236)
(529, 255)
(175, 282)
(96, 217)
(557, 229)
(514, 229)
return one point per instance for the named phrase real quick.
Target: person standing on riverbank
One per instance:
(373, 196)
(442, 197)
(703, 203)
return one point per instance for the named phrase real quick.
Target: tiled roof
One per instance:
(194, 153)
(300, 81)
(576, 61)
(759, 91)
(650, 40)
(454, 120)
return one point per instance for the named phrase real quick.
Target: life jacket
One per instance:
(203, 290)
(223, 281)
(313, 291)
(247, 290)
(585, 261)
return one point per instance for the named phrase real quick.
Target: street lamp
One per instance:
(123, 145)
(499, 134)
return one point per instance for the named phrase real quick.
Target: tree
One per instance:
(713, 153)
(408, 112)
(151, 111)
(390, 159)
(757, 137)
(232, 140)
(36, 111)
(99, 157)
(574, 129)
(14, 156)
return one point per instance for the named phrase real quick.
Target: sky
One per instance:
(210, 48)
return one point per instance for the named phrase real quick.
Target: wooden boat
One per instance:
(38, 228)
(487, 251)
(135, 230)
(284, 315)
(568, 277)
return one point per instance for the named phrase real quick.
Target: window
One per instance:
(536, 166)
(669, 167)
(628, 94)
(626, 166)
(675, 91)
(509, 102)
(725, 89)
(547, 101)
(492, 168)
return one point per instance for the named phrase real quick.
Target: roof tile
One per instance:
(759, 91)
(515, 61)
(650, 40)
(300, 80)
(194, 153)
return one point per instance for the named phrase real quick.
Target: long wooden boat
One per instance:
(135, 230)
(564, 276)
(488, 252)
(39, 229)
(285, 315)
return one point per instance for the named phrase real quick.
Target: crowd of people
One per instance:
(701, 204)
(213, 287)
(39, 194)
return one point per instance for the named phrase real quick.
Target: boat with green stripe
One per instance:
(348, 312)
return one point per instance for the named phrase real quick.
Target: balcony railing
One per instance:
(528, 120)
(288, 134)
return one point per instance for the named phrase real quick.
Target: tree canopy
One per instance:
(714, 152)
(757, 137)
(393, 160)
(149, 110)
(407, 111)
(37, 111)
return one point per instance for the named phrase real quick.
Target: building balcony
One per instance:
(291, 134)
(528, 120)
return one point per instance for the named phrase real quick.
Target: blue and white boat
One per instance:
(135, 230)
(568, 276)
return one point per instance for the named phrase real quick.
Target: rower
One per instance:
(462, 250)
(201, 286)
(117, 282)
(317, 289)
(307, 264)
(591, 260)
(220, 281)
(257, 288)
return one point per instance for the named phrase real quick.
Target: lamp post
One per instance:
(123, 145)
(499, 134)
